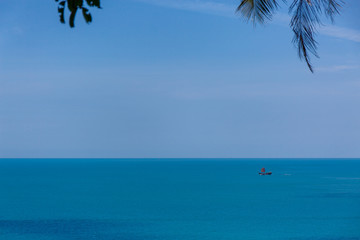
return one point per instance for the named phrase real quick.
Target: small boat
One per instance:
(263, 172)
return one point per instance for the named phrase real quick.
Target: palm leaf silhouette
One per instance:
(257, 11)
(304, 22)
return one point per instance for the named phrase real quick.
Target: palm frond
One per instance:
(305, 20)
(257, 11)
(332, 7)
(303, 24)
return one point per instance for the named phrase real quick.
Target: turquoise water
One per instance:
(112, 199)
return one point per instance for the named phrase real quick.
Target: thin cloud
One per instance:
(340, 32)
(338, 68)
(210, 7)
(227, 10)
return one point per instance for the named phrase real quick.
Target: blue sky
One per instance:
(174, 78)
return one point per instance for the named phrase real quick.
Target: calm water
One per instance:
(179, 199)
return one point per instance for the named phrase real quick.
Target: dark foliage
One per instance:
(73, 6)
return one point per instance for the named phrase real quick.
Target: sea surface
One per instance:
(169, 199)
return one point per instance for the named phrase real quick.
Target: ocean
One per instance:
(169, 199)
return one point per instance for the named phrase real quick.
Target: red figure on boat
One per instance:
(263, 172)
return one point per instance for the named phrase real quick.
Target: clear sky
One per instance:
(174, 78)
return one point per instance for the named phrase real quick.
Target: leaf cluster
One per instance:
(74, 6)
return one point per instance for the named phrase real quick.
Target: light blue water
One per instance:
(179, 199)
